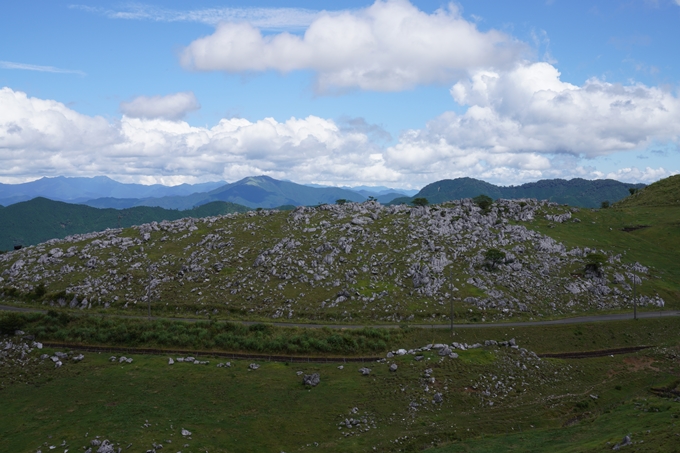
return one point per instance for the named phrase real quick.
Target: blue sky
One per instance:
(342, 93)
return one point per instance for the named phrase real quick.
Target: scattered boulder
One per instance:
(624, 443)
(393, 367)
(365, 371)
(253, 366)
(444, 351)
(311, 379)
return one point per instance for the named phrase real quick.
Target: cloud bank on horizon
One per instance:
(517, 120)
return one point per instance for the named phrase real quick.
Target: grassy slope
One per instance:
(665, 192)
(234, 409)
(40, 219)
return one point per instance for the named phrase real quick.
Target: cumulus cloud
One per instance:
(45, 138)
(389, 46)
(170, 107)
(633, 174)
(527, 120)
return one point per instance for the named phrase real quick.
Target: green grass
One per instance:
(665, 192)
(649, 419)
(233, 409)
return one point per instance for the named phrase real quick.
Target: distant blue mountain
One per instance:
(254, 192)
(382, 193)
(82, 189)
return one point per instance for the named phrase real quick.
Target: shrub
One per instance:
(483, 201)
(9, 322)
(493, 258)
(420, 201)
(604, 204)
(594, 262)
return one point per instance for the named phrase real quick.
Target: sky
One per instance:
(345, 93)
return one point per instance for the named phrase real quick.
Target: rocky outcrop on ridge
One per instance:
(331, 262)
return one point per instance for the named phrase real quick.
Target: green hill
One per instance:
(576, 192)
(41, 219)
(665, 192)
(367, 262)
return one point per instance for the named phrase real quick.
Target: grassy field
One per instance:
(546, 405)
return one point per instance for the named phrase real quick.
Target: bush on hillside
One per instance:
(493, 258)
(483, 201)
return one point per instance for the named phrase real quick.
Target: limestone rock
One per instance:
(311, 379)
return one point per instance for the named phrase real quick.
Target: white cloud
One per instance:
(170, 107)
(264, 18)
(389, 46)
(45, 138)
(646, 175)
(33, 67)
(527, 122)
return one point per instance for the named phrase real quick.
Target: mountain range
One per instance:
(78, 190)
(575, 192)
(254, 192)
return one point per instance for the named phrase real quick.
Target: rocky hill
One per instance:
(357, 262)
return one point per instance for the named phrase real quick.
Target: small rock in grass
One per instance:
(393, 367)
(170, 361)
(186, 432)
(311, 379)
(253, 366)
(365, 371)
